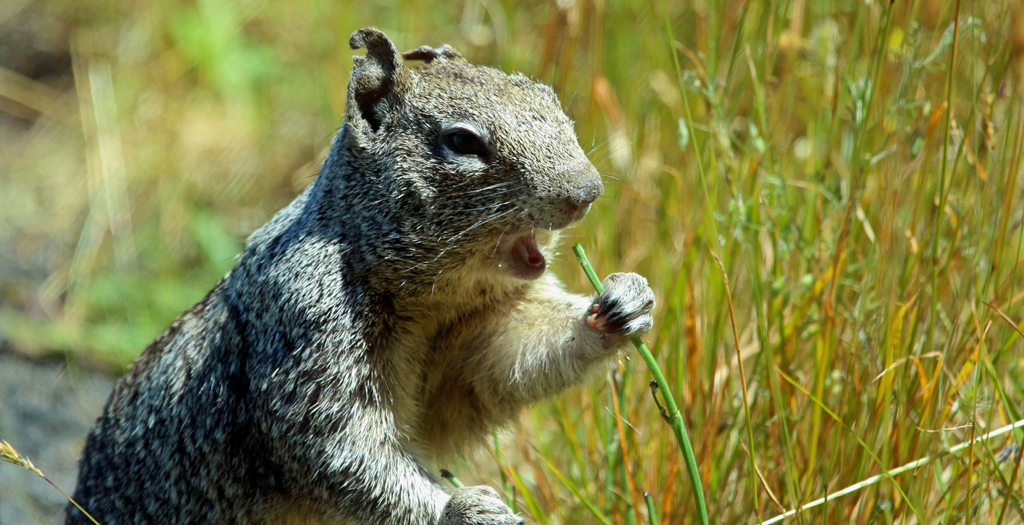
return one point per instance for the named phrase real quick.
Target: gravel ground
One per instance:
(46, 410)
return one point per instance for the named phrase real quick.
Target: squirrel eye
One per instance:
(465, 142)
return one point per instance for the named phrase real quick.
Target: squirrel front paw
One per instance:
(477, 506)
(623, 310)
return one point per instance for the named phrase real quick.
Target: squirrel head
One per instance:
(469, 158)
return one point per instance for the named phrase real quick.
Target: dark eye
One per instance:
(464, 141)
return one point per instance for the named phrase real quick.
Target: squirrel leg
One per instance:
(347, 457)
(385, 485)
(552, 339)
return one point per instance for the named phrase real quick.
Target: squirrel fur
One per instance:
(389, 318)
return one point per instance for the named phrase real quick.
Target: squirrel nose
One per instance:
(587, 192)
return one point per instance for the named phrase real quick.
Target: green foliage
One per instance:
(212, 38)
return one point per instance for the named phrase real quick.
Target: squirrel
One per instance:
(388, 319)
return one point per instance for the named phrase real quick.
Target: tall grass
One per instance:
(852, 167)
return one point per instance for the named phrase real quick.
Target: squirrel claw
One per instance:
(624, 309)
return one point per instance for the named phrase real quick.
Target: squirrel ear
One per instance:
(379, 79)
(429, 54)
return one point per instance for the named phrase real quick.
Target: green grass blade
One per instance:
(672, 415)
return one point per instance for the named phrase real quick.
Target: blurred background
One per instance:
(824, 195)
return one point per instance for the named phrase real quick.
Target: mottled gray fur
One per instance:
(387, 319)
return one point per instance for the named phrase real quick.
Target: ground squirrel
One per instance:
(391, 316)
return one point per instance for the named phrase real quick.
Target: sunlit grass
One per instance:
(8, 454)
(851, 167)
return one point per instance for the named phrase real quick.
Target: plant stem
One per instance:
(652, 515)
(671, 413)
(9, 454)
(893, 472)
(451, 478)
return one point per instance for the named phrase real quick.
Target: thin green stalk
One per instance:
(652, 515)
(942, 181)
(970, 455)
(504, 479)
(898, 470)
(817, 402)
(671, 412)
(743, 384)
(528, 498)
(701, 171)
(451, 479)
(610, 451)
(1009, 490)
(575, 491)
(736, 44)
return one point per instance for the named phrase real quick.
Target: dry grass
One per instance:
(9, 454)
(853, 165)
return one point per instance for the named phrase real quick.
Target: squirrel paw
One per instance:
(624, 309)
(477, 506)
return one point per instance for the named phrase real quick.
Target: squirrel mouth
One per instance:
(522, 258)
